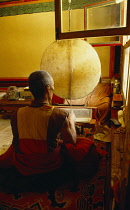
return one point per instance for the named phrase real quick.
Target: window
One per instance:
(122, 29)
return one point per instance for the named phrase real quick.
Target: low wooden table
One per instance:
(7, 107)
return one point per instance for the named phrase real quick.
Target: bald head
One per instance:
(38, 81)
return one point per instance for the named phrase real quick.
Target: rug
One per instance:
(87, 195)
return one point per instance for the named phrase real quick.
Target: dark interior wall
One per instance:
(117, 59)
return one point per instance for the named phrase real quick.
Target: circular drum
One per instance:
(74, 65)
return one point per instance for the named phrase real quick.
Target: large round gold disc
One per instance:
(74, 65)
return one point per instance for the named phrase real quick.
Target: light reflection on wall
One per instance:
(126, 73)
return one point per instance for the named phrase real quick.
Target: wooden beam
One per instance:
(94, 33)
(127, 44)
(57, 18)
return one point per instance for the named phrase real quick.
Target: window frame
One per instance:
(87, 33)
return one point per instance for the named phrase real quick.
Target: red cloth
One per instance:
(6, 159)
(83, 157)
(35, 158)
(31, 146)
(57, 100)
(79, 150)
(28, 164)
(84, 153)
(31, 163)
(116, 191)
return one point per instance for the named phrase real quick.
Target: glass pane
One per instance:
(104, 40)
(88, 15)
(72, 17)
(105, 16)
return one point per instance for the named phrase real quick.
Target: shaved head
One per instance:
(38, 81)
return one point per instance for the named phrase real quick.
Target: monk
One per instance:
(45, 147)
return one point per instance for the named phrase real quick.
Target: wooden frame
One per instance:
(101, 5)
(89, 33)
